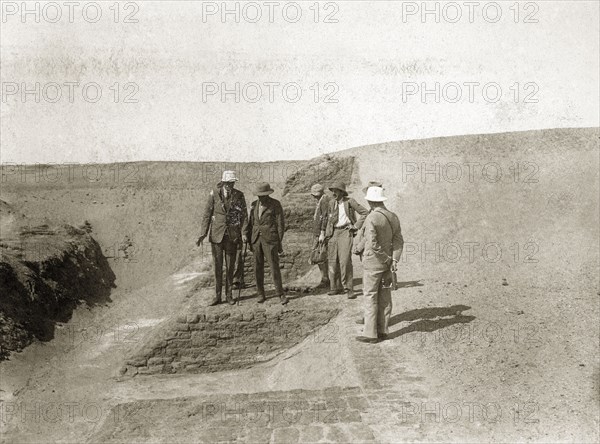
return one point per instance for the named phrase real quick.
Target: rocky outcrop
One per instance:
(45, 272)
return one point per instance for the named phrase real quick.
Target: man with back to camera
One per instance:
(382, 245)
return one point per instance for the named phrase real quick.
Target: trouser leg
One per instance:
(384, 309)
(259, 267)
(371, 284)
(272, 256)
(217, 254)
(238, 276)
(332, 261)
(230, 251)
(344, 243)
(324, 266)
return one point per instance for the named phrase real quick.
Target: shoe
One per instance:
(215, 301)
(334, 292)
(283, 299)
(367, 340)
(382, 336)
(230, 299)
(261, 298)
(350, 294)
(360, 321)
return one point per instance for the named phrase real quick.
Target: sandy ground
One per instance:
(482, 348)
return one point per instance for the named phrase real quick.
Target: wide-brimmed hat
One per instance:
(339, 186)
(263, 189)
(229, 176)
(317, 189)
(375, 194)
(372, 183)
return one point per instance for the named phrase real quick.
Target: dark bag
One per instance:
(319, 254)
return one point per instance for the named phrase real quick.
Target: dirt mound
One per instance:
(45, 272)
(225, 338)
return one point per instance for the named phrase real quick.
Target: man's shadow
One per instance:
(427, 319)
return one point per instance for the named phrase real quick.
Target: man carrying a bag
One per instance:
(382, 246)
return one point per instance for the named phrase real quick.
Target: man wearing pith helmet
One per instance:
(226, 216)
(265, 230)
(342, 225)
(382, 247)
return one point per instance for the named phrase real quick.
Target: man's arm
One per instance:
(371, 241)
(206, 217)
(280, 221)
(323, 217)
(362, 211)
(397, 240)
(244, 211)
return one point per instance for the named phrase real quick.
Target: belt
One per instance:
(344, 227)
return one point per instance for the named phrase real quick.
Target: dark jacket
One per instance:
(270, 225)
(221, 215)
(321, 215)
(352, 207)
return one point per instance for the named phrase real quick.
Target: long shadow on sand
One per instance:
(428, 319)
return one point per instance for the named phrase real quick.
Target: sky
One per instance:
(170, 80)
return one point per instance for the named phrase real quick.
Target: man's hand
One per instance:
(200, 239)
(322, 237)
(394, 265)
(244, 238)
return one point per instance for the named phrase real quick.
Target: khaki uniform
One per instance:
(382, 236)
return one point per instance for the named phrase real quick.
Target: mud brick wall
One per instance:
(225, 338)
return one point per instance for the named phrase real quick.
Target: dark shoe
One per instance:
(350, 294)
(215, 301)
(360, 321)
(367, 340)
(334, 292)
(283, 299)
(261, 298)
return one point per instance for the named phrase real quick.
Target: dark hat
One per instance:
(263, 189)
(339, 186)
(372, 183)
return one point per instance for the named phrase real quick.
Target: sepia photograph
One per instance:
(312, 221)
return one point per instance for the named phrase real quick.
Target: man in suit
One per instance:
(226, 216)
(342, 224)
(382, 244)
(265, 232)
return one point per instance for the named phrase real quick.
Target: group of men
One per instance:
(342, 227)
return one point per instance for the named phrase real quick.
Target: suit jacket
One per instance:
(224, 215)
(270, 225)
(321, 215)
(381, 238)
(352, 207)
